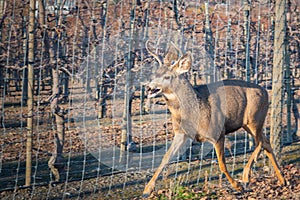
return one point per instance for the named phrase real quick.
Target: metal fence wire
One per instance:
(76, 120)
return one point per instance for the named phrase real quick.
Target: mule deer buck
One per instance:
(209, 112)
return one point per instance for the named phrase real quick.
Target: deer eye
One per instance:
(167, 77)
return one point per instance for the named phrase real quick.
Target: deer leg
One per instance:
(269, 152)
(254, 156)
(219, 147)
(257, 133)
(179, 140)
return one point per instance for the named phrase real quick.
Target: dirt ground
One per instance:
(180, 184)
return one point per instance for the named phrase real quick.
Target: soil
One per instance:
(183, 182)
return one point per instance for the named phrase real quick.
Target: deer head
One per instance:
(165, 76)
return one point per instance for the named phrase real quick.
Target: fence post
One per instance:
(30, 83)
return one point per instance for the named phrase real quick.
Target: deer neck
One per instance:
(181, 96)
(189, 110)
(185, 106)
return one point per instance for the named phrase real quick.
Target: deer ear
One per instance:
(183, 64)
(171, 56)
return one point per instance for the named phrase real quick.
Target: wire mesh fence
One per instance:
(94, 131)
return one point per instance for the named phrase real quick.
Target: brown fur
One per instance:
(209, 112)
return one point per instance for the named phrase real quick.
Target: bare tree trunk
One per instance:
(208, 46)
(2, 6)
(84, 46)
(3, 71)
(31, 31)
(42, 22)
(101, 83)
(176, 13)
(277, 84)
(228, 50)
(145, 103)
(65, 87)
(46, 40)
(257, 52)
(296, 131)
(2, 10)
(126, 137)
(56, 162)
(295, 74)
(287, 78)
(25, 71)
(247, 39)
(247, 52)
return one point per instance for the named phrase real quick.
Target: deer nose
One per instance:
(147, 88)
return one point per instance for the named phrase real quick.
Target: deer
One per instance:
(209, 112)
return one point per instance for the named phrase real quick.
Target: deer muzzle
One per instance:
(153, 91)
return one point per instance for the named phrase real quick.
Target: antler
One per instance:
(153, 54)
(177, 48)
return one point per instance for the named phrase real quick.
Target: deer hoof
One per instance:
(238, 186)
(148, 190)
(145, 196)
